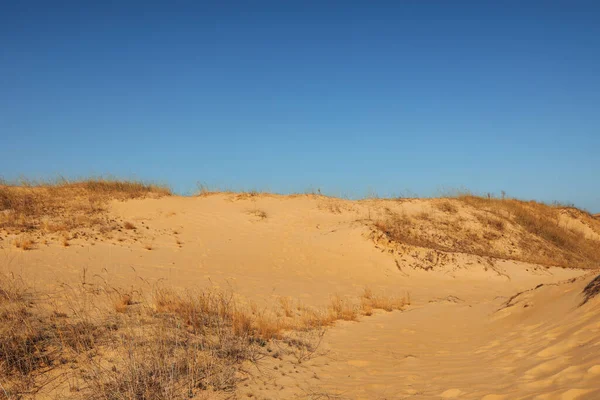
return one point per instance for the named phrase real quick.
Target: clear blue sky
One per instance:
(350, 97)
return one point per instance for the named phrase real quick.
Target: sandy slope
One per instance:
(457, 340)
(455, 349)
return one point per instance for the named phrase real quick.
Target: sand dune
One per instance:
(484, 321)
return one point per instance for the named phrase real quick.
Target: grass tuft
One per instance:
(260, 214)
(24, 243)
(65, 205)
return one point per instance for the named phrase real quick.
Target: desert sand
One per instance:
(475, 327)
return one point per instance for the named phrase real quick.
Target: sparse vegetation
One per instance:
(343, 309)
(424, 216)
(371, 301)
(260, 214)
(447, 207)
(24, 243)
(204, 191)
(286, 306)
(509, 229)
(170, 345)
(491, 222)
(64, 205)
(121, 301)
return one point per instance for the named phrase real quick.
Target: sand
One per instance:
(459, 338)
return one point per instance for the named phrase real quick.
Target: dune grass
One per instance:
(501, 228)
(98, 342)
(63, 205)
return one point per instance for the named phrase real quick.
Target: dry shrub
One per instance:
(207, 310)
(122, 301)
(342, 309)
(286, 305)
(530, 231)
(491, 222)
(32, 340)
(121, 188)
(491, 235)
(24, 343)
(313, 318)
(64, 205)
(178, 346)
(169, 355)
(401, 229)
(564, 246)
(24, 243)
(424, 216)
(370, 302)
(260, 214)
(12, 289)
(163, 362)
(447, 207)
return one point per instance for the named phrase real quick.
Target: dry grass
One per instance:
(24, 243)
(122, 301)
(173, 350)
(33, 341)
(447, 207)
(542, 221)
(260, 214)
(209, 309)
(371, 301)
(286, 305)
(205, 191)
(343, 309)
(65, 205)
(499, 228)
(425, 216)
(100, 344)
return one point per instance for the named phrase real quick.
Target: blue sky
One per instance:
(350, 97)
